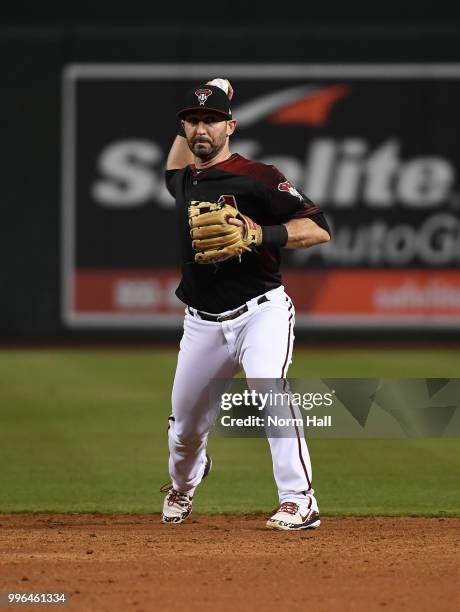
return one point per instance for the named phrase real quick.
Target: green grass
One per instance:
(85, 431)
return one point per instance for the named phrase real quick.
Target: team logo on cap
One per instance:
(202, 95)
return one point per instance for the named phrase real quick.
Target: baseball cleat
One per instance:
(176, 507)
(292, 517)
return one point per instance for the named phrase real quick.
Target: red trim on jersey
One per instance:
(304, 213)
(196, 170)
(266, 174)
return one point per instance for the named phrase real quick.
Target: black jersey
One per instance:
(261, 192)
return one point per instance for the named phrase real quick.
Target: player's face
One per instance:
(207, 133)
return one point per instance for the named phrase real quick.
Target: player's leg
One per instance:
(203, 356)
(265, 352)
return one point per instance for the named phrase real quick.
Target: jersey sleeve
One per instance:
(285, 201)
(171, 177)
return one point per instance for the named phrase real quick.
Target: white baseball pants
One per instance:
(260, 342)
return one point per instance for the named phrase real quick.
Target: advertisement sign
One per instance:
(375, 146)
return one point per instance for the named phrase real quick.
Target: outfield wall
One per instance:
(363, 120)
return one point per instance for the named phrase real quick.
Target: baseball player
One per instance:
(237, 313)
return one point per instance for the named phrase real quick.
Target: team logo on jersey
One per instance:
(202, 95)
(230, 200)
(286, 186)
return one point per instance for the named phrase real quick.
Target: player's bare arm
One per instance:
(302, 233)
(179, 155)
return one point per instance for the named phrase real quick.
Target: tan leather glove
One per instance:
(213, 238)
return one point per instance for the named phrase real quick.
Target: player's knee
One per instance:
(188, 439)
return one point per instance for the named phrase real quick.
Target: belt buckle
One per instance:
(232, 315)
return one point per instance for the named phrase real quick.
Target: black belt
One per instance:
(236, 313)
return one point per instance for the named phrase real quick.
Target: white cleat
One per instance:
(176, 507)
(292, 517)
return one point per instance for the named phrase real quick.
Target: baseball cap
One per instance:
(206, 97)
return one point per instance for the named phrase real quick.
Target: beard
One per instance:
(205, 149)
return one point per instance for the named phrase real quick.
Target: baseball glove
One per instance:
(213, 238)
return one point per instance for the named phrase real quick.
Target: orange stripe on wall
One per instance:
(334, 292)
(379, 292)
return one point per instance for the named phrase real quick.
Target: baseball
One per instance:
(222, 83)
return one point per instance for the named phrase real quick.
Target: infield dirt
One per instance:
(223, 563)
